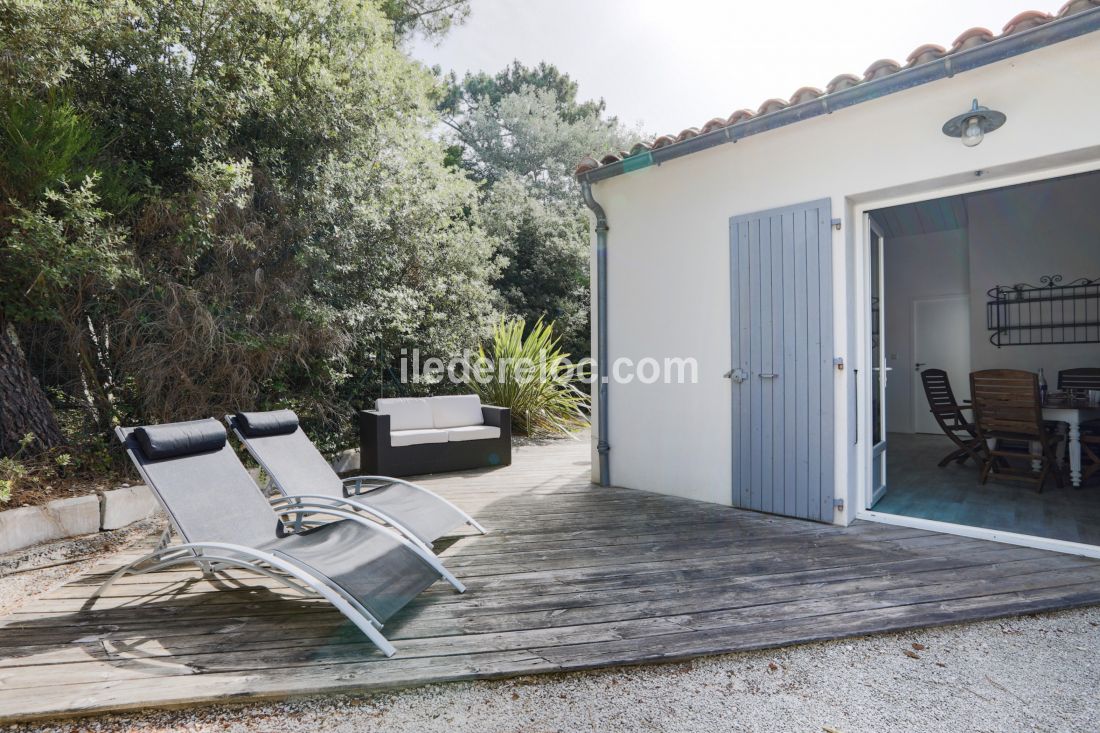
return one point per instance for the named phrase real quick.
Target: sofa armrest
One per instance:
(497, 417)
(375, 422)
(374, 436)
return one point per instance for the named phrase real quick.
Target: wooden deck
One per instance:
(571, 577)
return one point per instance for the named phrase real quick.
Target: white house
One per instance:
(816, 256)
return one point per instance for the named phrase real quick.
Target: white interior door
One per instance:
(941, 340)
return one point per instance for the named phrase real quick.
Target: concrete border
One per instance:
(80, 515)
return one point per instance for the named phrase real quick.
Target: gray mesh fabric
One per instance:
(428, 517)
(299, 468)
(210, 495)
(371, 565)
(295, 464)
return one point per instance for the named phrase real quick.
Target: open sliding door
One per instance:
(782, 368)
(879, 371)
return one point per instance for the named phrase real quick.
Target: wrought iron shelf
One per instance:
(1052, 312)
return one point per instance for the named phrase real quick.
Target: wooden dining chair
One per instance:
(1007, 413)
(1090, 453)
(1079, 379)
(949, 416)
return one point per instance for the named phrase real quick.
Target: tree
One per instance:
(269, 215)
(51, 243)
(25, 409)
(432, 18)
(520, 133)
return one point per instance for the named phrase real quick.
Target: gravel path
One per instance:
(26, 573)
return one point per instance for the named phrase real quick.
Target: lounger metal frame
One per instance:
(349, 501)
(383, 481)
(211, 557)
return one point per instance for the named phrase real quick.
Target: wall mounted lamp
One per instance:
(972, 125)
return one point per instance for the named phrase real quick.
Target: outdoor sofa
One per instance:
(405, 436)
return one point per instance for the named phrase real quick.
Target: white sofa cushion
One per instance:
(406, 413)
(456, 411)
(417, 437)
(473, 432)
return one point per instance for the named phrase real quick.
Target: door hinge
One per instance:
(838, 362)
(836, 224)
(838, 504)
(737, 375)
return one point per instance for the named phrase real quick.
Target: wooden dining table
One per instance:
(1073, 413)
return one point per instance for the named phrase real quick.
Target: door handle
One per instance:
(767, 375)
(918, 365)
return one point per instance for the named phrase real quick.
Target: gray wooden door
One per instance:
(782, 370)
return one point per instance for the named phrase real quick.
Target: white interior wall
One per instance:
(668, 244)
(918, 266)
(1019, 235)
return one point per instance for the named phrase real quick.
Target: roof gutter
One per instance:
(602, 446)
(999, 49)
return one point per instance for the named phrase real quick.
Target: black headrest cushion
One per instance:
(181, 438)
(259, 424)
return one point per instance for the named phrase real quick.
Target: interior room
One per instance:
(1003, 279)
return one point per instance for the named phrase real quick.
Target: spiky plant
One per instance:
(532, 376)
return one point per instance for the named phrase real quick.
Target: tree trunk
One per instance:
(24, 407)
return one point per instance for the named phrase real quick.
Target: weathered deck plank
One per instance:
(571, 576)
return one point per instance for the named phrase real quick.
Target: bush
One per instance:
(20, 472)
(531, 375)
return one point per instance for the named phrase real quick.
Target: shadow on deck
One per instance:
(571, 576)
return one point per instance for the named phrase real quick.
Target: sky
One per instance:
(664, 65)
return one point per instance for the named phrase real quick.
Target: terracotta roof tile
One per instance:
(805, 94)
(1025, 20)
(971, 38)
(1076, 6)
(884, 67)
(842, 82)
(881, 68)
(717, 123)
(772, 105)
(587, 163)
(924, 54)
(740, 115)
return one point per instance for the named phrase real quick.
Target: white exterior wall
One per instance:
(668, 244)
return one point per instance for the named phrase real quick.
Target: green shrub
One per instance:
(532, 376)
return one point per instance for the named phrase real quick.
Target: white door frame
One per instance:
(861, 471)
(917, 400)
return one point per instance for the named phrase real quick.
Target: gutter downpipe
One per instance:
(602, 446)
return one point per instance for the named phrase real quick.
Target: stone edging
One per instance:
(80, 515)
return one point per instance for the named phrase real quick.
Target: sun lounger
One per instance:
(364, 569)
(298, 470)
